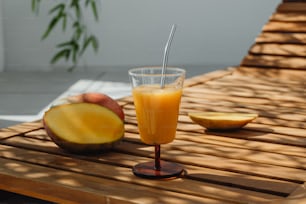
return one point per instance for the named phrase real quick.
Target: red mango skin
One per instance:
(101, 99)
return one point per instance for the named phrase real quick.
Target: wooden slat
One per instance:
(242, 144)
(240, 84)
(289, 17)
(207, 77)
(291, 50)
(288, 38)
(264, 137)
(18, 129)
(292, 7)
(264, 110)
(274, 61)
(46, 191)
(291, 1)
(274, 74)
(244, 100)
(295, 94)
(249, 93)
(275, 26)
(242, 154)
(283, 77)
(297, 197)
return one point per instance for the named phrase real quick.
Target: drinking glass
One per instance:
(157, 94)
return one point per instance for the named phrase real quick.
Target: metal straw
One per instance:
(166, 54)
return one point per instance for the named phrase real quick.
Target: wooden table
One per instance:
(265, 162)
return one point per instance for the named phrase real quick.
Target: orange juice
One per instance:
(157, 112)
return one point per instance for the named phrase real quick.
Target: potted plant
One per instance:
(70, 14)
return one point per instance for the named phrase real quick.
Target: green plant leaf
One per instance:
(85, 45)
(75, 4)
(76, 24)
(64, 22)
(65, 44)
(93, 5)
(95, 43)
(70, 11)
(77, 11)
(60, 7)
(65, 53)
(87, 2)
(79, 31)
(51, 25)
(90, 40)
(35, 6)
(75, 51)
(94, 10)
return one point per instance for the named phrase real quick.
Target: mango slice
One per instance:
(83, 127)
(222, 120)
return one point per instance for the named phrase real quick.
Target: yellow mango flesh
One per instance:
(84, 123)
(221, 120)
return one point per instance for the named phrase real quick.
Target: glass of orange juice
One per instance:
(157, 95)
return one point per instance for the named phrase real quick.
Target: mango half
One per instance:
(222, 120)
(83, 127)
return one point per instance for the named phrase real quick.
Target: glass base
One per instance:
(167, 170)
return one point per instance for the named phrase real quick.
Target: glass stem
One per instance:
(157, 157)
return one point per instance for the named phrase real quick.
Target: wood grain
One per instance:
(270, 61)
(281, 38)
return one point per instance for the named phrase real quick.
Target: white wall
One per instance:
(1, 40)
(133, 32)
